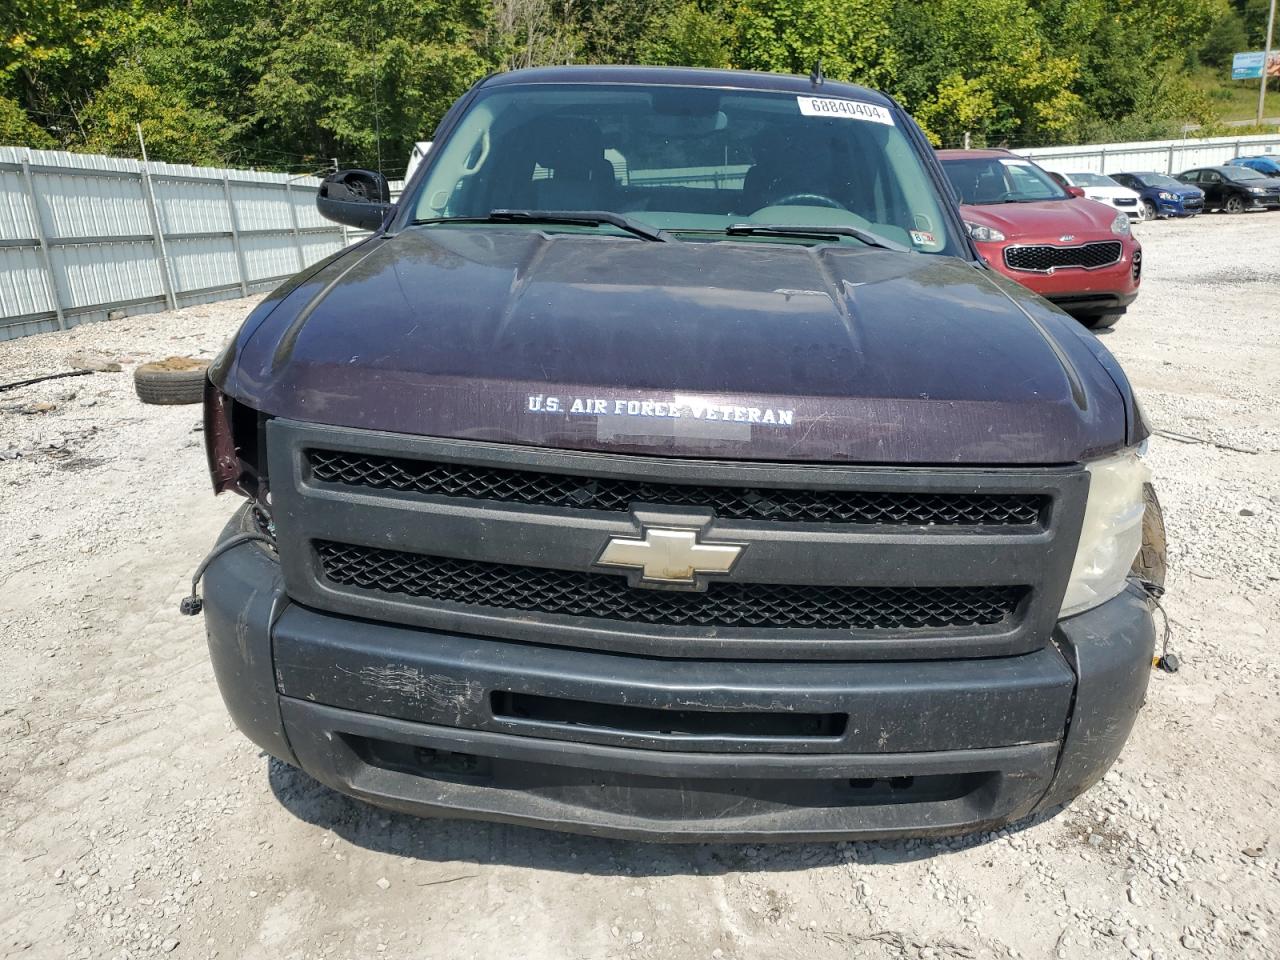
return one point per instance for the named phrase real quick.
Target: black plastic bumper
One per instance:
(1092, 304)
(612, 745)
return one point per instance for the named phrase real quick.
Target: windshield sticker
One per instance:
(922, 238)
(847, 109)
(660, 409)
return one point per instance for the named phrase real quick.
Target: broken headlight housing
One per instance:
(1111, 534)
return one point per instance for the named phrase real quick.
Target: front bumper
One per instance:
(1078, 291)
(1180, 206)
(1092, 304)
(1132, 210)
(610, 745)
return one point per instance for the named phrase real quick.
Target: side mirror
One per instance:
(1076, 191)
(357, 198)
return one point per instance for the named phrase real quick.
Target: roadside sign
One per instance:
(1248, 66)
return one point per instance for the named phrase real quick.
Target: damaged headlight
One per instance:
(1111, 535)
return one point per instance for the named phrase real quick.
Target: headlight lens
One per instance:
(1257, 190)
(1111, 535)
(982, 233)
(1166, 195)
(1120, 225)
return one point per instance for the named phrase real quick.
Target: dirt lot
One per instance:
(134, 821)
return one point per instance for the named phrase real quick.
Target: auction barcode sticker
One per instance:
(848, 109)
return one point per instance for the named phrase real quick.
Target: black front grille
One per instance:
(1044, 257)
(614, 494)
(609, 597)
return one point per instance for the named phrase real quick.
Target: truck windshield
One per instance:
(984, 180)
(690, 161)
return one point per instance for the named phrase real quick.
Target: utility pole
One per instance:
(1266, 59)
(143, 143)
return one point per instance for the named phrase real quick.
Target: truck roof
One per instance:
(688, 76)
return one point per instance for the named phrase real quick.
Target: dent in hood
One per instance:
(876, 357)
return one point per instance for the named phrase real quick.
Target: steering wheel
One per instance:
(807, 200)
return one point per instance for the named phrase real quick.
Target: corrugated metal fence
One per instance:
(1159, 156)
(82, 236)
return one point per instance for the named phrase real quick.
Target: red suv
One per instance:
(1077, 253)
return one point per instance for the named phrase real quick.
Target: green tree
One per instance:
(984, 67)
(1225, 38)
(370, 83)
(852, 38)
(55, 53)
(175, 130)
(17, 127)
(690, 36)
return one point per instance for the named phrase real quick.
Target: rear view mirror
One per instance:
(357, 198)
(1076, 191)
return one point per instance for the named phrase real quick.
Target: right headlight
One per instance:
(982, 233)
(1111, 535)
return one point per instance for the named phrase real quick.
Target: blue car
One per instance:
(1268, 165)
(1163, 196)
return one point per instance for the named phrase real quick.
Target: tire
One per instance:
(1151, 563)
(176, 380)
(1149, 211)
(1233, 205)
(1102, 321)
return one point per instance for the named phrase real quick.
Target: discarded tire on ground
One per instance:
(172, 381)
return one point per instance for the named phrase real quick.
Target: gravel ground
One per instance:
(135, 822)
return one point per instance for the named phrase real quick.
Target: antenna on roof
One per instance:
(815, 75)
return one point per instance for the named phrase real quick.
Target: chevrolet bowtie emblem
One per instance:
(669, 556)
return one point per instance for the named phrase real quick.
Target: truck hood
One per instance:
(1046, 220)
(741, 350)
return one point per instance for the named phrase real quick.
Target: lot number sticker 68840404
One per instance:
(844, 109)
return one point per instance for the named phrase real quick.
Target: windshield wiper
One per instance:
(818, 233)
(586, 218)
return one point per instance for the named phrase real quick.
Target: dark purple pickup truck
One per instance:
(667, 464)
